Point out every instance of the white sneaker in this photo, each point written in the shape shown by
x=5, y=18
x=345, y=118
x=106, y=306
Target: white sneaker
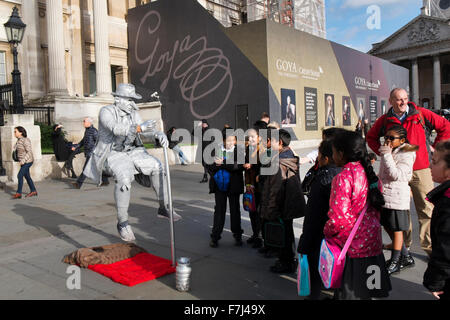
x=126, y=234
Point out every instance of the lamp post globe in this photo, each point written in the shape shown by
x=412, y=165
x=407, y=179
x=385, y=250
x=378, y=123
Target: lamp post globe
x=15, y=30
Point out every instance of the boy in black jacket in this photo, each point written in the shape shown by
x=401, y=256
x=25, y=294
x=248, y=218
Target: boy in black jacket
x=437, y=276
x=282, y=198
x=227, y=161
x=316, y=214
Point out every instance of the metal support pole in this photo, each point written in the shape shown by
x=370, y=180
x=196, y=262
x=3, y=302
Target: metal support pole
x=169, y=194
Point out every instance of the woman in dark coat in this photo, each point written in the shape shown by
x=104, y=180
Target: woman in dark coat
x=62, y=148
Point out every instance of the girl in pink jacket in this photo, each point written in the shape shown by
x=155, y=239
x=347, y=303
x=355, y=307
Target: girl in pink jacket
x=365, y=275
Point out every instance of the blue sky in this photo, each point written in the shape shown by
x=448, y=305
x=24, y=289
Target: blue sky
x=347, y=20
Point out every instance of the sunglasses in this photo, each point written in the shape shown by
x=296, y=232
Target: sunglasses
x=391, y=138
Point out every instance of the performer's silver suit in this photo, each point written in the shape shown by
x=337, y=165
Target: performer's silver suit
x=119, y=152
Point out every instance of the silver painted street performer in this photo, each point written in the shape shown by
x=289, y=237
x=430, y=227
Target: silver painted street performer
x=120, y=153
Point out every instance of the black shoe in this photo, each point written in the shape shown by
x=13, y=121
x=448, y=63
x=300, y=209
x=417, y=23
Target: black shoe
x=393, y=266
x=283, y=267
x=76, y=185
x=205, y=178
x=251, y=240
x=407, y=261
x=104, y=184
x=214, y=244
x=271, y=254
x=257, y=243
x=263, y=250
x=238, y=242
x=74, y=176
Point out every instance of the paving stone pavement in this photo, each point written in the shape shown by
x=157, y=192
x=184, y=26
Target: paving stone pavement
x=36, y=233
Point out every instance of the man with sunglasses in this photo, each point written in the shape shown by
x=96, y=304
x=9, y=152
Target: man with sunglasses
x=416, y=121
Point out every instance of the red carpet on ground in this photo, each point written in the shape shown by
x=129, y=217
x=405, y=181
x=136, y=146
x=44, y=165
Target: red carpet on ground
x=140, y=268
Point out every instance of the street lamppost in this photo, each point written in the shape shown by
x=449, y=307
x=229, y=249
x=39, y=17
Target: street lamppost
x=15, y=29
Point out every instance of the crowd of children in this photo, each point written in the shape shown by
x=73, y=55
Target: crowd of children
x=338, y=186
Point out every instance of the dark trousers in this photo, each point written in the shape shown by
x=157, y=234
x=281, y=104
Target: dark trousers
x=314, y=276
x=69, y=161
x=286, y=254
x=25, y=172
x=82, y=177
x=263, y=223
x=255, y=217
x=220, y=211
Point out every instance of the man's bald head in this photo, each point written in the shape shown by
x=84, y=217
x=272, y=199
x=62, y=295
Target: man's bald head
x=399, y=100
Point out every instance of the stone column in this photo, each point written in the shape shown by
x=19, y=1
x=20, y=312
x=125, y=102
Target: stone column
x=33, y=75
x=56, y=51
x=101, y=38
x=415, y=81
x=437, y=82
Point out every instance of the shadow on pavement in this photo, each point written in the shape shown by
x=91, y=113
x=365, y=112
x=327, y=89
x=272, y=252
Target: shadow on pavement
x=51, y=221
x=408, y=290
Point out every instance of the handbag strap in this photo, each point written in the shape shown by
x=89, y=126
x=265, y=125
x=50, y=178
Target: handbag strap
x=352, y=234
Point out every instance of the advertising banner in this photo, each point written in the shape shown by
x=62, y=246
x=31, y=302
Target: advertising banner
x=311, y=118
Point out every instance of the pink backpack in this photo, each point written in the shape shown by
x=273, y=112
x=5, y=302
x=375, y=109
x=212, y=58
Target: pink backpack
x=332, y=257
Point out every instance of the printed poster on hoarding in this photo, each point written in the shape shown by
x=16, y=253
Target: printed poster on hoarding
x=330, y=120
x=346, y=111
x=288, y=109
x=311, y=121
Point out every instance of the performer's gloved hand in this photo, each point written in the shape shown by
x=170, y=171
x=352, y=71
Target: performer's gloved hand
x=162, y=139
x=148, y=125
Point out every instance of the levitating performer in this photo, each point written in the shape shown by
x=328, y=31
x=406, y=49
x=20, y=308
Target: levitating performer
x=120, y=153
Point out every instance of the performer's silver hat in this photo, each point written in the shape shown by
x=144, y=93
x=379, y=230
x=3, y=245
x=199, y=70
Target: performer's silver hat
x=126, y=90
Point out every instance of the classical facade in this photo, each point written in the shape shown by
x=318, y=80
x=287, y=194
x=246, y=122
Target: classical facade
x=423, y=46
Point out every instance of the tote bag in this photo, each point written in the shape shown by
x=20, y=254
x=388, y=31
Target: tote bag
x=332, y=257
x=248, y=200
x=303, y=279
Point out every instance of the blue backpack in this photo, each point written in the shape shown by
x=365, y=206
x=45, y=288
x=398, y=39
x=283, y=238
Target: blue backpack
x=222, y=179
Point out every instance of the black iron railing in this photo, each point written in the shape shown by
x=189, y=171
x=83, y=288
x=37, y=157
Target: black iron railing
x=6, y=93
x=45, y=114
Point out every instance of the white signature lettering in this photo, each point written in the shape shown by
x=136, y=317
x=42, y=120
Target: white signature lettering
x=200, y=74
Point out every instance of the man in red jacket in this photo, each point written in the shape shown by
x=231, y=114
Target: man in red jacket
x=415, y=120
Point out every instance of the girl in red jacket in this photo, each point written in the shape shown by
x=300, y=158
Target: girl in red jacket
x=365, y=275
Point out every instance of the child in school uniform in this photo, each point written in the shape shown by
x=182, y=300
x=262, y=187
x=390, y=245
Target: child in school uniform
x=316, y=214
x=437, y=276
x=396, y=169
x=252, y=168
x=282, y=197
x=227, y=161
x=356, y=185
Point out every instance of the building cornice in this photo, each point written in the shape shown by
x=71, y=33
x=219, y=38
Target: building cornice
x=378, y=46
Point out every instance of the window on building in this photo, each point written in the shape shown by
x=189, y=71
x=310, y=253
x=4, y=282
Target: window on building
x=3, y=77
x=93, y=80
x=446, y=74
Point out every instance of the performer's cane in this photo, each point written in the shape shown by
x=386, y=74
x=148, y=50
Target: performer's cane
x=169, y=193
